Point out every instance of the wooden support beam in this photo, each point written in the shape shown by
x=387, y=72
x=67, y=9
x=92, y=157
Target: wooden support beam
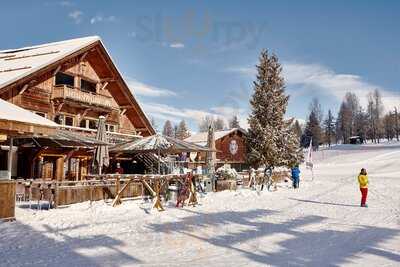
x=112, y=79
x=126, y=107
x=103, y=86
x=57, y=70
x=122, y=112
x=59, y=107
x=83, y=56
x=23, y=89
x=117, y=199
x=82, y=115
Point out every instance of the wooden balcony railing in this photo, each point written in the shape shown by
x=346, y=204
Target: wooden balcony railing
x=74, y=94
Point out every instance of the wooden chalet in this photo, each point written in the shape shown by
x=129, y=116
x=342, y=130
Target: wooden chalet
x=230, y=145
x=72, y=83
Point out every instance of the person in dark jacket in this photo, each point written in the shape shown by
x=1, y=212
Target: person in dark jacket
x=296, y=176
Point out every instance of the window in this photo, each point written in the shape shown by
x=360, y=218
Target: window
x=69, y=121
x=64, y=120
x=64, y=79
x=88, y=86
x=110, y=128
x=59, y=119
x=41, y=114
x=92, y=124
x=82, y=124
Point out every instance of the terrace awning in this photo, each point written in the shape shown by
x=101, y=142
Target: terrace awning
x=158, y=143
x=60, y=138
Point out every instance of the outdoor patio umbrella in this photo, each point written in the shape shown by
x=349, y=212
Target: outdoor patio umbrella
x=158, y=144
x=101, y=156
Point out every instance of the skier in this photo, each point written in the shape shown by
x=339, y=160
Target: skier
x=296, y=176
x=363, y=181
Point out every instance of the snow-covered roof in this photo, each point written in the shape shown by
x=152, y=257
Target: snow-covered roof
x=11, y=112
x=18, y=63
x=201, y=138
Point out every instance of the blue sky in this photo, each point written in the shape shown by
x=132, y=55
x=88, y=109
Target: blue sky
x=187, y=59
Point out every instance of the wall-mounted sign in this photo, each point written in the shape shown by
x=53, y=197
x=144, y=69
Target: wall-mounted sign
x=233, y=147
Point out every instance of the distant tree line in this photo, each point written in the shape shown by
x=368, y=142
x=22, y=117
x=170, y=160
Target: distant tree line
x=352, y=121
x=180, y=130
x=219, y=123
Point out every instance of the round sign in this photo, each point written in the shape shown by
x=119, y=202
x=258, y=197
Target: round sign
x=233, y=147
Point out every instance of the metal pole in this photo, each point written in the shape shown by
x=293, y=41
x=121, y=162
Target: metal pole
x=10, y=158
x=159, y=160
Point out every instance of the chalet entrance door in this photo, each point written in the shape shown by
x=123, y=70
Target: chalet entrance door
x=48, y=168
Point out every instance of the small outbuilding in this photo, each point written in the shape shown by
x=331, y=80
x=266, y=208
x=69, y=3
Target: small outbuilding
x=230, y=145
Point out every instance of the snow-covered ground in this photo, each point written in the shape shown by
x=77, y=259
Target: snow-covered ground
x=320, y=224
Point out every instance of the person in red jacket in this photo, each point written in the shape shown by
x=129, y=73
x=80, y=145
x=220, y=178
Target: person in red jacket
x=119, y=169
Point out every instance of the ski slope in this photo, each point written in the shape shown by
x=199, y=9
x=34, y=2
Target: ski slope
x=320, y=224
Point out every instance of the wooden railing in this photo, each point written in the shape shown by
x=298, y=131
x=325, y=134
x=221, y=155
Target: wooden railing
x=74, y=94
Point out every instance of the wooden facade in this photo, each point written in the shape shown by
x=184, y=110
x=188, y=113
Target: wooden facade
x=73, y=91
x=231, y=148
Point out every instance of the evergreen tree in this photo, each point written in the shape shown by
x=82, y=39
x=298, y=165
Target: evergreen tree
x=270, y=139
x=168, y=129
x=329, y=127
x=344, y=123
x=176, y=131
x=234, y=122
x=312, y=131
x=297, y=129
x=182, y=131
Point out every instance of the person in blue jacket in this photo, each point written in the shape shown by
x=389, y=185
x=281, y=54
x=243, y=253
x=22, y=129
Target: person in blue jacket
x=296, y=176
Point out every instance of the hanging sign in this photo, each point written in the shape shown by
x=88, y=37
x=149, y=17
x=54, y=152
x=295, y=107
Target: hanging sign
x=233, y=147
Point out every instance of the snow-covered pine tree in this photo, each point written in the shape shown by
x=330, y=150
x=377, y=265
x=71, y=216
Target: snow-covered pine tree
x=270, y=140
x=234, y=122
x=182, y=131
x=168, y=129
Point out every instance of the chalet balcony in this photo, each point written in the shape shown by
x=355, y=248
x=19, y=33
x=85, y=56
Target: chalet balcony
x=73, y=94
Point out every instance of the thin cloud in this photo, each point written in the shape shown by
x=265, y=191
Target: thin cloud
x=65, y=3
x=177, y=45
x=76, y=16
x=100, y=18
x=322, y=78
x=142, y=89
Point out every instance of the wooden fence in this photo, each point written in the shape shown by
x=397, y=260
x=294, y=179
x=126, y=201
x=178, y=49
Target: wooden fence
x=98, y=187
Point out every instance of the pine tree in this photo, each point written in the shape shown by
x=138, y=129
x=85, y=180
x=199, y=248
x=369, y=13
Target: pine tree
x=297, y=129
x=329, y=127
x=182, y=131
x=234, y=122
x=168, y=129
x=270, y=139
x=312, y=131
